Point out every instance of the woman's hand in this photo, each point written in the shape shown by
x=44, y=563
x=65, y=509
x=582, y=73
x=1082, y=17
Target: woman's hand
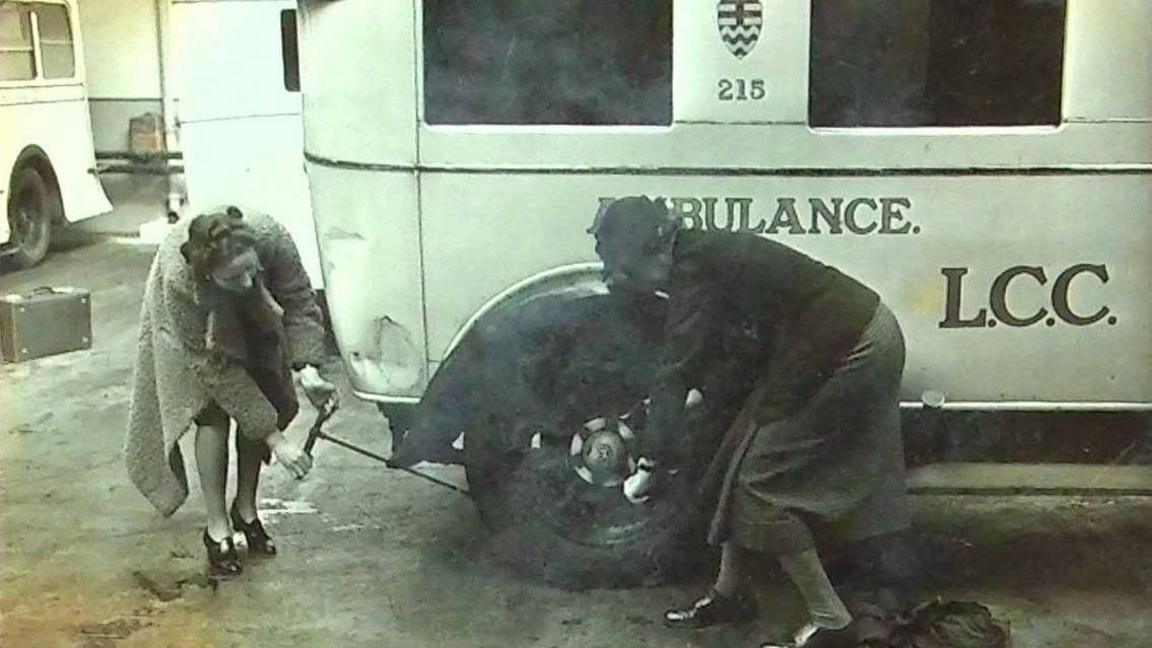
x=290, y=455
x=639, y=486
x=315, y=387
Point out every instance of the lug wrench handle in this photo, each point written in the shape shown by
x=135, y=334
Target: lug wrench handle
x=326, y=411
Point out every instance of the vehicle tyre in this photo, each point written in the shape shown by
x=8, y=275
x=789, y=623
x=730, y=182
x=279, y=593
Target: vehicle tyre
x=545, y=456
x=549, y=523
x=32, y=205
x=399, y=420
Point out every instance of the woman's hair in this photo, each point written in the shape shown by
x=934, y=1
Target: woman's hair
x=215, y=238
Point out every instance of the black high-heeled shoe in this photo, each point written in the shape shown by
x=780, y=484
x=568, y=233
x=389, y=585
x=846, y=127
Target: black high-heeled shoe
x=223, y=561
x=712, y=609
x=258, y=540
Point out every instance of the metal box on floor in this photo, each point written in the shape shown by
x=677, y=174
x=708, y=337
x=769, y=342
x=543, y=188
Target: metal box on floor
x=45, y=322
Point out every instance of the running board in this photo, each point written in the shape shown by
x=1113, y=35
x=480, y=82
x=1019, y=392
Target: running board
x=1098, y=480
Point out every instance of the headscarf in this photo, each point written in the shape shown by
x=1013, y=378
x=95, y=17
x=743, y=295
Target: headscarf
x=635, y=223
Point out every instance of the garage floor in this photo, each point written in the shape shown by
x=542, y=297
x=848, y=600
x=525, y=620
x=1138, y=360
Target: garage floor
x=371, y=557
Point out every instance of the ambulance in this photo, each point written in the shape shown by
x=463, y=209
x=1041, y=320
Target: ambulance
x=985, y=166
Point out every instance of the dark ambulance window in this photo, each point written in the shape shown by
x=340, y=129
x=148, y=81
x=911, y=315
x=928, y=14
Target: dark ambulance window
x=57, y=52
x=935, y=62
x=580, y=62
x=289, y=50
x=17, y=58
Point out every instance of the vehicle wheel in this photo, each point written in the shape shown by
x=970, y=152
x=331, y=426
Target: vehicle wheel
x=399, y=418
x=31, y=206
x=547, y=480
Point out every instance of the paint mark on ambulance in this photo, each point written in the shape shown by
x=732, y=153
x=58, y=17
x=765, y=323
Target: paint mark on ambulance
x=341, y=234
x=387, y=360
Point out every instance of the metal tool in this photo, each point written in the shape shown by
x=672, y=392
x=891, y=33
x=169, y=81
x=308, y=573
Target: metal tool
x=325, y=412
x=316, y=432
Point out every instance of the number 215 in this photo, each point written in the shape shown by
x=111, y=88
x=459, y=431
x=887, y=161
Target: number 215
x=741, y=89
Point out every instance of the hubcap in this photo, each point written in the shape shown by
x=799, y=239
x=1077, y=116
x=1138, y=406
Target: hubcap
x=600, y=453
x=604, y=452
x=25, y=230
x=23, y=223
x=576, y=477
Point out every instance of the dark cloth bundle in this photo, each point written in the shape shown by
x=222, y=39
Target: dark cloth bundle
x=883, y=622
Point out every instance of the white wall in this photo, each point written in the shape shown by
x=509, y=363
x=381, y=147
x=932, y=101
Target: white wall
x=240, y=128
x=121, y=49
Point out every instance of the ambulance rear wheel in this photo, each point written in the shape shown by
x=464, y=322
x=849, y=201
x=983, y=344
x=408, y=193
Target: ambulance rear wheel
x=31, y=206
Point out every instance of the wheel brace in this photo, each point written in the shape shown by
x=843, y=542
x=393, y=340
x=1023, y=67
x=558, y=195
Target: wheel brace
x=317, y=432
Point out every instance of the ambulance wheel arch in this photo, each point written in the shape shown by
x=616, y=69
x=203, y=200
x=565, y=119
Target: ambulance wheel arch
x=543, y=380
x=437, y=412
x=577, y=278
x=34, y=207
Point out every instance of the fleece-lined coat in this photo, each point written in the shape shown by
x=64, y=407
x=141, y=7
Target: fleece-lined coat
x=195, y=349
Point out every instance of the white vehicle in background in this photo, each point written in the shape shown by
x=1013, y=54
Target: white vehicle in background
x=47, y=164
x=986, y=166
x=240, y=112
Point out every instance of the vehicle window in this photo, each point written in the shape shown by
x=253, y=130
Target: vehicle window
x=289, y=50
x=17, y=59
x=935, y=62
x=580, y=62
x=56, y=50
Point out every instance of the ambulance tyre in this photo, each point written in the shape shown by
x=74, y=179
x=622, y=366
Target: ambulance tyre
x=576, y=535
x=554, y=502
x=399, y=419
x=32, y=208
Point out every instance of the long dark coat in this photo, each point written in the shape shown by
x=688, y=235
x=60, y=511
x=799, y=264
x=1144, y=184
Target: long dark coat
x=819, y=408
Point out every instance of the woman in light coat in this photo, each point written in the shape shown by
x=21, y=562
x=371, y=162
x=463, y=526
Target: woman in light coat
x=228, y=316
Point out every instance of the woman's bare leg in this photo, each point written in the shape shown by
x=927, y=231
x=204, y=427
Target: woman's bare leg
x=212, y=464
x=249, y=457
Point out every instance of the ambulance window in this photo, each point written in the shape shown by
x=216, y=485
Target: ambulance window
x=56, y=51
x=578, y=62
x=17, y=59
x=289, y=50
x=935, y=62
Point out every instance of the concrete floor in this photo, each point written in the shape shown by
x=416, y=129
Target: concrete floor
x=371, y=557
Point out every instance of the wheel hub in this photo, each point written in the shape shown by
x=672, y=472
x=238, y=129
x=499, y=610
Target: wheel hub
x=604, y=452
x=24, y=222
x=600, y=452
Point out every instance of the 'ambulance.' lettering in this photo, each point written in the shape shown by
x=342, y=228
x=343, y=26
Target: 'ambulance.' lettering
x=790, y=215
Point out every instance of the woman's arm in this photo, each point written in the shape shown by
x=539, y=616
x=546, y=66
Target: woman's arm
x=691, y=317
x=289, y=284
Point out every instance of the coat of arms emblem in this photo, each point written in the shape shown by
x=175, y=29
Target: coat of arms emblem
x=739, y=22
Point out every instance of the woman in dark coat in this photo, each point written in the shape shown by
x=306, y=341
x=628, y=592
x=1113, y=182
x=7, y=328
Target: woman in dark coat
x=228, y=315
x=815, y=450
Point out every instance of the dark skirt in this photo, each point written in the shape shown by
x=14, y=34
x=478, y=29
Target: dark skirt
x=831, y=466
x=278, y=388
